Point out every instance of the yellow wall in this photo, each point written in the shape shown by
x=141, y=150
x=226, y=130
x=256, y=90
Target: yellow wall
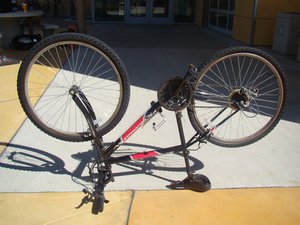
x=242, y=20
x=265, y=20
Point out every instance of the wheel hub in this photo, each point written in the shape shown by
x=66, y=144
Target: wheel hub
x=237, y=98
x=74, y=90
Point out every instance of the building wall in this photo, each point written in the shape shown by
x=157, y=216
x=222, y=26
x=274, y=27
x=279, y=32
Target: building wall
x=199, y=10
x=63, y=8
x=242, y=20
x=266, y=18
x=264, y=26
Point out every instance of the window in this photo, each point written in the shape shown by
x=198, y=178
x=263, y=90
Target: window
x=214, y=4
x=109, y=10
x=160, y=8
x=221, y=13
x=184, y=11
x=138, y=8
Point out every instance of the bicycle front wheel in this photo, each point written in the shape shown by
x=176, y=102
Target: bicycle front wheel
x=64, y=61
x=239, y=96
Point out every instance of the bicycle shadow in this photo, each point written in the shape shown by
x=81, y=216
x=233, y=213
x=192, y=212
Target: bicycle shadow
x=25, y=158
x=21, y=157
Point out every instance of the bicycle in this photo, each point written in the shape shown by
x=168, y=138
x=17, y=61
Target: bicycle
x=75, y=88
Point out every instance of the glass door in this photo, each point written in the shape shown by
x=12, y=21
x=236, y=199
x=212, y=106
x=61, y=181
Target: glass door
x=149, y=11
x=108, y=10
x=137, y=11
x=161, y=11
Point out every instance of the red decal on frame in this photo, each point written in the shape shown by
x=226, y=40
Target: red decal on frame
x=144, y=155
x=133, y=128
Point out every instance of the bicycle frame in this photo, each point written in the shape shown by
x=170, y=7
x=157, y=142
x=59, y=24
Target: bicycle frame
x=196, y=182
x=104, y=175
x=238, y=79
x=105, y=153
x=145, y=118
x=155, y=108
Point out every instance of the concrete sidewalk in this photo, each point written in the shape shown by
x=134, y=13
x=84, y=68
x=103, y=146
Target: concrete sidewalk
x=274, y=206
x=152, y=54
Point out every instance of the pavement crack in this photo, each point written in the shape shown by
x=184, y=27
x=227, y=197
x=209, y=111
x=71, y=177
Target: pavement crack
x=67, y=217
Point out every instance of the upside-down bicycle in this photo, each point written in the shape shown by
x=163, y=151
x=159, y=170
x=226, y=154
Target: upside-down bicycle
x=75, y=88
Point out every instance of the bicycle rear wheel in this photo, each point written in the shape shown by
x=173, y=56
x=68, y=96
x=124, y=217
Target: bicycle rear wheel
x=239, y=96
x=64, y=61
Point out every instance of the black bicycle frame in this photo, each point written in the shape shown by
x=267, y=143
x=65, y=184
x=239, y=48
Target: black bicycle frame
x=104, y=175
x=106, y=152
x=155, y=108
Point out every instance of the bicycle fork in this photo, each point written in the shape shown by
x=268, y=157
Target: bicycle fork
x=103, y=173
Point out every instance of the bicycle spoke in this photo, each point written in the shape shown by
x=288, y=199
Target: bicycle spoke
x=249, y=86
x=71, y=64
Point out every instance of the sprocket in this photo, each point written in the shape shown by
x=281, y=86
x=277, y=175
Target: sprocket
x=175, y=94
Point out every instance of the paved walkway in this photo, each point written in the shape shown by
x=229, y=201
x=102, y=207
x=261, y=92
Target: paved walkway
x=243, y=180
x=274, y=206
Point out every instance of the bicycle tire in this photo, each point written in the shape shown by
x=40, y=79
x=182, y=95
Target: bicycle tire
x=61, y=61
x=222, y=83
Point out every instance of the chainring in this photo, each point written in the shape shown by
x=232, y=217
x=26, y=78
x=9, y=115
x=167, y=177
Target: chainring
x=175, y=94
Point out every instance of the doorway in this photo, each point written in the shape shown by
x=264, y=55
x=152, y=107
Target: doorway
x=144, y=11
x=149, y=11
